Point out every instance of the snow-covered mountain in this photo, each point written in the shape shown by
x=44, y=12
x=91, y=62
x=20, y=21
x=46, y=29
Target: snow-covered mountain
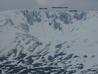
x=48, y=42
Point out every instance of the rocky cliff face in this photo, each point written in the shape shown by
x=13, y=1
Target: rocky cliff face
x=48, y=42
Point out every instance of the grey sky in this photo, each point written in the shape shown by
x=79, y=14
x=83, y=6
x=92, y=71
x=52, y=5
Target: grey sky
x=74, y=4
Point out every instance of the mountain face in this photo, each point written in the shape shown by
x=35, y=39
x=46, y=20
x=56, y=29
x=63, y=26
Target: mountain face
x=48, y=42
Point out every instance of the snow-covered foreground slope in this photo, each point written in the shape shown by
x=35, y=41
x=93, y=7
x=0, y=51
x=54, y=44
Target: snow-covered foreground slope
x=48, y=42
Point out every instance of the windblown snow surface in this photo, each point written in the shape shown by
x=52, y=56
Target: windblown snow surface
x=48, y=42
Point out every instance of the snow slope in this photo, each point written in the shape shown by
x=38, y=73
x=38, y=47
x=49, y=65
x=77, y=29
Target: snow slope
x=48, y=42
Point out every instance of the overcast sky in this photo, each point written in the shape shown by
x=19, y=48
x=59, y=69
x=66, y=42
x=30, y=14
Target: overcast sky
x=74, y=4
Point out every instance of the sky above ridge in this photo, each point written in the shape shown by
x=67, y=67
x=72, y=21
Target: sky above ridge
x=74, y=4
